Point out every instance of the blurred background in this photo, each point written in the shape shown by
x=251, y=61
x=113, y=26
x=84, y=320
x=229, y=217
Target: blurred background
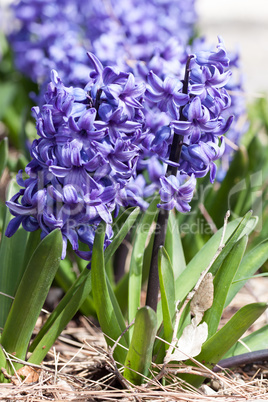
x=243, y=24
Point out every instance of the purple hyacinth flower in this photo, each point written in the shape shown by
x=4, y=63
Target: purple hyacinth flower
x=198, y=159
x=116, y=122
x=166, y=94
x=198, y=121
x=206, y=81
x=175, y=194
x=218, y=58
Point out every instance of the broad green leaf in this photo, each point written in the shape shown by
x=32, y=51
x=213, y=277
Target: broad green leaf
x=75, y=297
x=121, y=293
x=34, y=240
x=173, y=245
x=167, y=289
x=116, y=309
x=88, y=308
x=136, y=263
x=2, y=364
x=107, y=317
x=3, y=155
x=222, y=283
x=250, y=263
x=218, y=345
x=31, y=294
x=60, y=318
x=67, y=303
x=11, y=263
x=188, y=278
x=257, y=340
x=139, y=356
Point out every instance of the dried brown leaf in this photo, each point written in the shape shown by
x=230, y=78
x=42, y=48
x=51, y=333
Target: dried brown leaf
x=203, y=298
x=31, y=374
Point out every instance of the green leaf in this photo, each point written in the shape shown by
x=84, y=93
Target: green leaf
x=188, y=278
x=222, y=283
x=108, y=319
x=116, y=308
x=70, y=302
x=33, y=242
x=31, y=294
x=218, y=345
x=251, y=262
x=68, y=306
x=136, y=263
x=173, y=245
x=167, y=289
x=11, y=263
x=121, y=293
x=2, y=364
x=257, y=340
x=139, y=356
x=60, y=318
x=3, y=155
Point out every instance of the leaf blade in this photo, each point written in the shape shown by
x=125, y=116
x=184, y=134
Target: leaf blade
x=136, y=263
x=218, y=345
x=109, y=323
x=251, y=262
x=222, y=283
x=31, y=294
x=202, y=259
x=139, y=356
x=167, y=289
x=45, y=339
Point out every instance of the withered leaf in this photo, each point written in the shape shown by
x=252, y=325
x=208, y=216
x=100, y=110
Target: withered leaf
x=191, y=341
x=31, y=374
x=203, y=298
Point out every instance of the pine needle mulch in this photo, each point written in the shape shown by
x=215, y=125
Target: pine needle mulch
x=79, y=368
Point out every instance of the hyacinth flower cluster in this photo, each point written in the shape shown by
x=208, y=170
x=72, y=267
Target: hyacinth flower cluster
x=57, y=35
x=94, y=143
x=123, y=33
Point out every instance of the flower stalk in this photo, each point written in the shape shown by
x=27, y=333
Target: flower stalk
x=162, y=220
